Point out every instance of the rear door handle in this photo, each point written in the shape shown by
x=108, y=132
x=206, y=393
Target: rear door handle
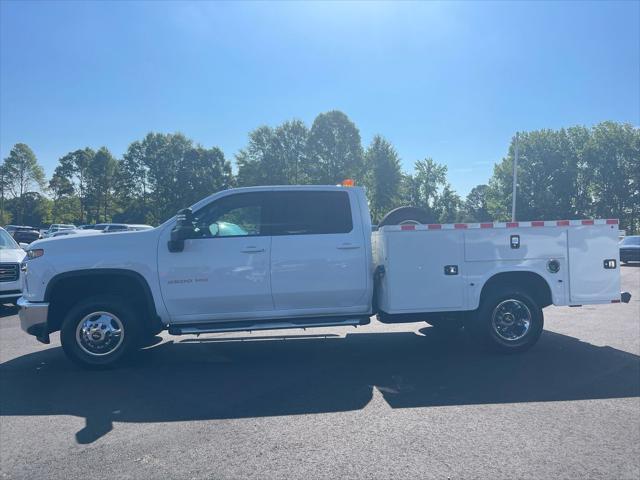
x=347, y=246
x=252, y=250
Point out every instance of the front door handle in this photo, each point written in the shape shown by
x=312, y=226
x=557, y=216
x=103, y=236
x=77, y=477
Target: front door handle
x=347, y=246
x=252, y=250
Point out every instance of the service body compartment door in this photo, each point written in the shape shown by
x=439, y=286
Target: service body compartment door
x=589, y=280
x=424, y=271
x=494, y=244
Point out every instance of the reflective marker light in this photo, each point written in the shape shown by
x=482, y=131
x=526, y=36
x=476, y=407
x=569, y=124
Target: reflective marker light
x=348, y=182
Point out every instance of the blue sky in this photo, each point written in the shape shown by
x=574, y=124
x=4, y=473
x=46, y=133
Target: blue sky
x=453, y=81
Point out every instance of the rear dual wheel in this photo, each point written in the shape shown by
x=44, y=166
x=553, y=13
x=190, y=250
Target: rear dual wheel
x=508, y=321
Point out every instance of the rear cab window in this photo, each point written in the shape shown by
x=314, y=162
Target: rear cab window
x=311, y=213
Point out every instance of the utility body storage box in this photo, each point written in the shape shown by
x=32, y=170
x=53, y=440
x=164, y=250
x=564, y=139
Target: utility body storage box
x=443, y=267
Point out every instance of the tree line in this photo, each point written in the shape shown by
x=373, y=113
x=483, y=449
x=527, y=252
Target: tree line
x=576, y=172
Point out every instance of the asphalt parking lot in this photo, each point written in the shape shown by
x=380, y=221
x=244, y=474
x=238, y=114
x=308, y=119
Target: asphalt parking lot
x=374, y=402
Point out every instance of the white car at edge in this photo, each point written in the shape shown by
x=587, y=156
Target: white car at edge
x=11, y=256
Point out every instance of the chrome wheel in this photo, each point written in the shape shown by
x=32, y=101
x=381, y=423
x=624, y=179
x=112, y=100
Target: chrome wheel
x=511, y=320
x=100, y=333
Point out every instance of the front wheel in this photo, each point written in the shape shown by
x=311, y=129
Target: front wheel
x=508, y=321
x=99, y=332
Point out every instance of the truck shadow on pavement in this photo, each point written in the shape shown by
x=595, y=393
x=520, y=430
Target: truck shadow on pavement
x=189, y=379
x=8, y=310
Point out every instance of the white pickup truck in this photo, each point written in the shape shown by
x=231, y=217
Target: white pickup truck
x=266, y=258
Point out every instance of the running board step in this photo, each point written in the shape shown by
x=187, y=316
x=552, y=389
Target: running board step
x=247, y=326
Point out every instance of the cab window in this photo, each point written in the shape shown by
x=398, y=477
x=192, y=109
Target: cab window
x=311, y=213
x=240, y=215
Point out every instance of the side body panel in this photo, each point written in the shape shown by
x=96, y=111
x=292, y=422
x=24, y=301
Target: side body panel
x=414, y=259
x=488, y=252
x=589, y=281
x=415, y=279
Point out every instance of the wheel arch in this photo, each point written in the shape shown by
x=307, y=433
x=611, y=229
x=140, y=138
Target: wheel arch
x=65, y=289
x=530, y=282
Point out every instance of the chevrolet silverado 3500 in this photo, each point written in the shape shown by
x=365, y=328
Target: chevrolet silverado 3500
x=264, y=258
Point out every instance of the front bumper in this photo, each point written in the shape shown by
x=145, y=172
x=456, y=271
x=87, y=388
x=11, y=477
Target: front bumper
x=33, y=319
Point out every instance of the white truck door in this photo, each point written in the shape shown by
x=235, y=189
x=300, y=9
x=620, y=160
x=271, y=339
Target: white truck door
x=224, y=273
x=318, y=255
x=589, y=280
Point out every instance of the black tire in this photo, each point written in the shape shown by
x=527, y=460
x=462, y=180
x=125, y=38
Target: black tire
x=492, y=324
x=119, y=315
x=401, y=215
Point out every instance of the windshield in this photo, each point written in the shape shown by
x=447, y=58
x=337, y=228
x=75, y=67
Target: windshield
x=7, y=242
x=635, y=240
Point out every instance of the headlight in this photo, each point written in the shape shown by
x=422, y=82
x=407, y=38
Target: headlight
x=35, y=253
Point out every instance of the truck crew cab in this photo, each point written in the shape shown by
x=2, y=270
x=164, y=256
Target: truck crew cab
x=265, y=258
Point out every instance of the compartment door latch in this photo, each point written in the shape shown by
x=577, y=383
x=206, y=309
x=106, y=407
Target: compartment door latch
x=451, y=269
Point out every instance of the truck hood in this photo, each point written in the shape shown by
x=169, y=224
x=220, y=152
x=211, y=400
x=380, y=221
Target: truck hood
x=11, y=255
x=96, y=249
x=94, y=241
x=131, y=251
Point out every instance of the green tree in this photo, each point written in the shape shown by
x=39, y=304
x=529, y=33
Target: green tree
x=613, y=160
x=382, y=177
x=576, y=172
x=202, y=172
x=165, y=172
x=66, y=206
x=290, y=143
x=475, y=208
x=75, y=169
x=334, y=149
x=147, y=178
x=21, y=173
x=547, y=171
x=447, y=205
x=429, y=189
x=100, y=185
x=36, y=207
x=275, y=156
x=5, y=217
x=131, y=186
x=259, y=162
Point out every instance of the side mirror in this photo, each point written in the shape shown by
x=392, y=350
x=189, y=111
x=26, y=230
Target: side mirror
x=182, y=230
